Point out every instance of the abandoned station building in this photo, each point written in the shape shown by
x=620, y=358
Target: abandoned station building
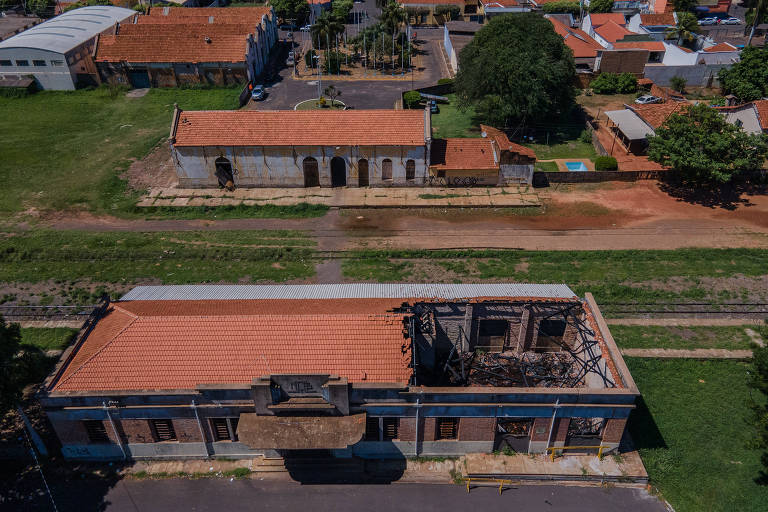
x=369, y=370
x=352, y=148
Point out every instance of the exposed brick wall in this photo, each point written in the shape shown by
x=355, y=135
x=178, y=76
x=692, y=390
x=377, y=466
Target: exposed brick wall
x=407, y=429
x=187, y=430
x=137, y=431
x=428, y=429
x=477, y=429
x=614, y=430
x=560, y=432
x=540, y=429
x=70, y=431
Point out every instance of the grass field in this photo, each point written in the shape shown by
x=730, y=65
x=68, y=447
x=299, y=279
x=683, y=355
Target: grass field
x=452, y=122
x=691, y=432
x=66, y=149
x=693, y=337
x=57, y=338
x=179, y=257
x=547, y=166
x=612, y=276
x=569, y=149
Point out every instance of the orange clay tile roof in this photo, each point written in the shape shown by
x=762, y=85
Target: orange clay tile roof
x=499, y=3
x=504, y=143
x=612, y=32
x=431, y=2
x=657, y=20
x=655, y=114
x=152, y=345
x=652, y=46
x=173, y=45
x=462, y=154
x=721, y=47
x=184, y=12
x=300, y=128
x=580, y=43
x=251, y=22
x=666, y=93
x=599, y=19
x=762, y=112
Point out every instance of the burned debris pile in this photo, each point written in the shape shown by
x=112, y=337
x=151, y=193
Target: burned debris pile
x=551, y=369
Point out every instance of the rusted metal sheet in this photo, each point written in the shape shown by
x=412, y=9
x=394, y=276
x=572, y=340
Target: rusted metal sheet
x=300, y=432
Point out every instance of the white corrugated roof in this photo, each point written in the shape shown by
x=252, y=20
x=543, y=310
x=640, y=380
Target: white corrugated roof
x=630, y=124
x=69, y=29
x=347, y=291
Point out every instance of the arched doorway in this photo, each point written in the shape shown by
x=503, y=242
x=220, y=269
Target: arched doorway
x=224, y=172
x=311, y=174
x=386, y=169
x=362, y=172
x=338, y=172
x=410, y=170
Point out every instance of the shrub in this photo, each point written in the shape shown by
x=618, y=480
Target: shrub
x=411, y=99
x=612, y=83
x=308, y=58
x=445, y=81
x=606, y=163
x=562, y=6
x=678, y=83
x=586, y=137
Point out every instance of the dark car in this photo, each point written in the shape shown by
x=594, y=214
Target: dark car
x=433, y=107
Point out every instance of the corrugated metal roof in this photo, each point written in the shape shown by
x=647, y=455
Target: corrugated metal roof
x=68, y=30
x=348, y=291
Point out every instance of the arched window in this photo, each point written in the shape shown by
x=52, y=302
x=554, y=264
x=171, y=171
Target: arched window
x=311, y=173
x=410, y=170
x=386, y=169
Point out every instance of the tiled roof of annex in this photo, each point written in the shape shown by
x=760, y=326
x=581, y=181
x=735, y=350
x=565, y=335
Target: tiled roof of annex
x=721, y=47
x=762, y=112
x=300, y=128
x=598, y=19
x=652, y=46
x=581, y=44
x=657, y=20
x=462, y=154
x=504, y=143
x=186, y=12
x=612, y=32
x=175, y=43
x=154, y=345
x=654, y=114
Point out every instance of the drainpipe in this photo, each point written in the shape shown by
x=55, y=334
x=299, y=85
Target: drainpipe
x=114, y=429
x=416, y=446
x=200, y=426
x=552, y=425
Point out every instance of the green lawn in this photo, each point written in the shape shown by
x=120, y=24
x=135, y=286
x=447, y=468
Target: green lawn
x=452, y=122
x=569, y=149
x=612, y=276
x=57, y=338
x=691, y=432
x=693, y=337
x=66, y=149
x=547, y=166
x=180, y=257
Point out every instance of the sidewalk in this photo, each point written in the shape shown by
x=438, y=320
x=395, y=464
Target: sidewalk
x=511, y=197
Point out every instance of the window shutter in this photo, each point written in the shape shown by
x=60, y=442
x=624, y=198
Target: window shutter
x=164, y=430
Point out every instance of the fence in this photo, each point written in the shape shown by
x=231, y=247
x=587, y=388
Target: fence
x=542, y=178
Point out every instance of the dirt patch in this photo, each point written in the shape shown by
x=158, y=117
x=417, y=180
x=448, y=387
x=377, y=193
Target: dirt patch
x=61, y=292
x=154, y=170
x=738, y=287
x=522, y=267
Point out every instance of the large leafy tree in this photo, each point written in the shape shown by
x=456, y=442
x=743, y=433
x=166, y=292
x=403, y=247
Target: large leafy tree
x=291, y=9
x=685, y=30
x=748, y=78
x=600, y=5
x=516, y=69
x=685, y=5
x=392, y=16
x=703, y=148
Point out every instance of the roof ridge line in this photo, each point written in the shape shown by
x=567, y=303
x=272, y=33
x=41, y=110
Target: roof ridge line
x=77, y=370
x=117, y=305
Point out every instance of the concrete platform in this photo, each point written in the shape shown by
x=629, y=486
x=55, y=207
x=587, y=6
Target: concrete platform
x=419, y=197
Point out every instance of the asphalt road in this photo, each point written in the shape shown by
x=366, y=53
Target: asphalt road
x=275, y=496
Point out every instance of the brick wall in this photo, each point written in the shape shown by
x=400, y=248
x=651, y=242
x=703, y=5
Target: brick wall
x=477, y=429
x=614, y=430
x=560, y=432
x=137, y=431
x=70, y=432
x=428, y=429
x=540, y=429
x=407, y=429
x=187, y=430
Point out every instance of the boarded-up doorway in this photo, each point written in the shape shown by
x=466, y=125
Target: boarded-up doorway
x=338, y=172
x=362, y=172
x=311, y=173
x=224, y=173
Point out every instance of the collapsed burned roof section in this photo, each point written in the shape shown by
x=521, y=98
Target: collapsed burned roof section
x=508, y=343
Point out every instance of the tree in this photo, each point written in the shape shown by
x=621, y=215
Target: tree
x=332, y=92
x=612, y=83
x=516, y=69
x=759, y=418
x=392, y=16
x=703, y=148
x=325, y=29
x=341, y=9
x=600, y=5
x=685, y=30
x=447, y=12
x=291, y=9
x=10, y=378
x=685, y=5
x=562, y=6
x=412, y=99
x=678, y=83
x=748, y=78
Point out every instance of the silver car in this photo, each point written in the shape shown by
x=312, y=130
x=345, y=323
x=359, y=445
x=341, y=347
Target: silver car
x=647, y=98
x=730, y=21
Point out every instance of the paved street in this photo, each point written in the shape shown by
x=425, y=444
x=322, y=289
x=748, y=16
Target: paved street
x=217, y=495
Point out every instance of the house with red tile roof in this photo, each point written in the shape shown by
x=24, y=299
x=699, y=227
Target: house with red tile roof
x=654, y=25
x=594, y=20
x=174, y=46
x=367, y=370
x=586, y=50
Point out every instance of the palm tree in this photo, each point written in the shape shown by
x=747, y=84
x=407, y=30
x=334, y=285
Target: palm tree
x=325, y=29
x=686, y=29
x=392, y=16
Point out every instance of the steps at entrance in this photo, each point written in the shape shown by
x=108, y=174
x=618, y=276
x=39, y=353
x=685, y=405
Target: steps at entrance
x=271, y=465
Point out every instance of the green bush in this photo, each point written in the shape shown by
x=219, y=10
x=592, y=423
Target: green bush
x=612, y=83
x=445, y=81
x=562, y=6
x=606, y=163
x=585, y=136
x=411, y=99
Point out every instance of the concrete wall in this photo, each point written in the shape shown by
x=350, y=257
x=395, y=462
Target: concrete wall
x=55, y=75
x=696, y=75
x=283, y=166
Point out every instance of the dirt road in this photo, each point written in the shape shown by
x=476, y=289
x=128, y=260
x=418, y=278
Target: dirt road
x=608, y=216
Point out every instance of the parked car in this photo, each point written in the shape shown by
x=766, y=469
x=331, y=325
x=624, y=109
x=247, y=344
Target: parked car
x=730, y=21
x=647, y=98
x=708, y=21
x=257, y=94
x=306, y=28
x=433, y=107
x=287, y=26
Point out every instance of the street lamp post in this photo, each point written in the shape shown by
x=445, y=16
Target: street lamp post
x=319, y=76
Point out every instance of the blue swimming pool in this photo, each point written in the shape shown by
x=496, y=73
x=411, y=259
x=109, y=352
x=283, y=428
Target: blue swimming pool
x=576, y=166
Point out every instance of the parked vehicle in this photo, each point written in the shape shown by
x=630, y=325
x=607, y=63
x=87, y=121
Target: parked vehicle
x=257, y=94
x=647, y=98
x=306, y=28
x=433, y=107
x=287, y=26
x=730, y=21
x=708, y=21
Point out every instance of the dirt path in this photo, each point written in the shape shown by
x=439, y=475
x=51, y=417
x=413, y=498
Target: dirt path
x=588, y=217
